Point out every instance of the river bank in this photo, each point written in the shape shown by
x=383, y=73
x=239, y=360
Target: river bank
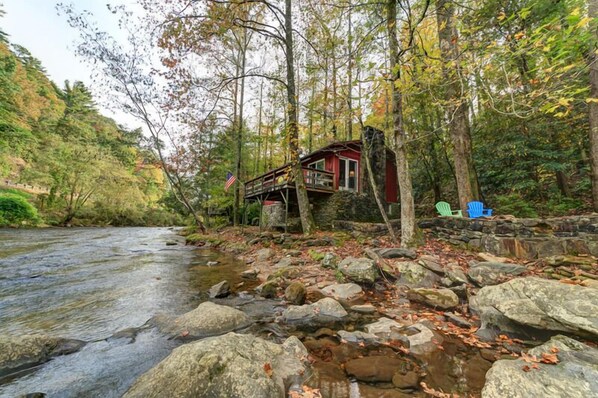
x=432, y=321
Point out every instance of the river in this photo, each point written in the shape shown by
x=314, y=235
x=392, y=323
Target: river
x=87, y=284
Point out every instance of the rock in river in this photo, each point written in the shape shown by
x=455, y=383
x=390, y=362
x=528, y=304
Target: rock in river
x=20, y=352
x=233, y=365
x=441, y=298
x=539, y=303
x=574, y=376
x=221, y=289
x=360, y=270
x=208, y=319
x=326, y=309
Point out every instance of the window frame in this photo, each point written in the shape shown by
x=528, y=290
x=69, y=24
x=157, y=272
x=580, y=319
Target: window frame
x=347, y=169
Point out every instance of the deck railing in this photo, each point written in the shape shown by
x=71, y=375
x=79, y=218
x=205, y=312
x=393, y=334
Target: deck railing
x=282, y=178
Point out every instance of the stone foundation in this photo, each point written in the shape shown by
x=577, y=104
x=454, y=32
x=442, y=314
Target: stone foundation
x=524, y=238
x=345, y=205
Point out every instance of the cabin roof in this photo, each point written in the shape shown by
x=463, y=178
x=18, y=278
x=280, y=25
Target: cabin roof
x=353, y=145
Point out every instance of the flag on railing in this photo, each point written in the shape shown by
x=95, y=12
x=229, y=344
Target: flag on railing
x=230, y=180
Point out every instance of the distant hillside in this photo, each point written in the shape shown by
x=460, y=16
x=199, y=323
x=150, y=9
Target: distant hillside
x=97, y=172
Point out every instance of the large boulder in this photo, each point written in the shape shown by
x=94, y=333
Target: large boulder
x=323, y=311
x=233, y=365
x=360, y=270
x=412, y=274
x=441, y=298
x=343, y=291
x=538, y=303
x=20, y=352
x=492, y=273
x=208, y=319
x=574, y=376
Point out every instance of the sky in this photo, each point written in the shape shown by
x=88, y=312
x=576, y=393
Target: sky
x=36, y=25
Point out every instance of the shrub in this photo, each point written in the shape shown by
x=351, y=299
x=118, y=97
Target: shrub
x=515, y=205
x=559, y=205
x=14, y=209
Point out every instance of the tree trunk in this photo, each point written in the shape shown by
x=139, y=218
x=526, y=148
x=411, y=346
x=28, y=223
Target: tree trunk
x=239, y=140
x=307, y=220
x=379, y=201
x=349, y=127
x=593, y=105
x=259, y=130
x=457, y=105
x=408, y=224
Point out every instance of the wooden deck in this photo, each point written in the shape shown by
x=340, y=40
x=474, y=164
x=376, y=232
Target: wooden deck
x=281, y=179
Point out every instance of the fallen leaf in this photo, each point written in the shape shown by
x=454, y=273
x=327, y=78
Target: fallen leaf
x=268, y=369
x=549, y=358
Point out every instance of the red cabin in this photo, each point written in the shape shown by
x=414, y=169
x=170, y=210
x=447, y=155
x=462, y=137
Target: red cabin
x=337, y=167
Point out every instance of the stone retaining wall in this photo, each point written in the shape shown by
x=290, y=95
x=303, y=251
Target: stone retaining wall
x=524, y=237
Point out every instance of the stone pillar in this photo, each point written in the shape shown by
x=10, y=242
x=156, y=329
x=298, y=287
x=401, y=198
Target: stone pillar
x=374, y=139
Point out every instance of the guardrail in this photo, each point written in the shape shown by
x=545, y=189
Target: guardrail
x=36, y=189
x=282, y=178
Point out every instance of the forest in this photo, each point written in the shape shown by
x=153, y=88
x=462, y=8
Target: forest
x=95, y=171
x=493, y=100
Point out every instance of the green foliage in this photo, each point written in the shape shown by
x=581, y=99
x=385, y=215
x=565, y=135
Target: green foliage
x=558, y=205
x=16, y=210
x=515, y=205
x=316, y=256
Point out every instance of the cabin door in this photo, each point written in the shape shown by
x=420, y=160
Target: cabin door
x=347, y=174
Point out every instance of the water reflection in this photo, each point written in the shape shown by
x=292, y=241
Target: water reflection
x=88, y=283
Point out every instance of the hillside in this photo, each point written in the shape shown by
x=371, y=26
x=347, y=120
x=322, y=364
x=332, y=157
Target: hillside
x=95, y=171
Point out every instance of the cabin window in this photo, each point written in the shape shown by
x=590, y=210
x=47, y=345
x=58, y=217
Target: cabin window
x=347, y=176
x=319, y=165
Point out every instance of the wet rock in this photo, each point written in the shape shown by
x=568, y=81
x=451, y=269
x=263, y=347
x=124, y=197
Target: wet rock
x=343, y=291
x=374, y=368
x=441, y=298
x=538, y=303
x=250, y=274
x=171, y=243
x=21, y=352
x=432, y=263
x=396, y=252
x=270, y=288
x=457, y=320
x=221, y=289
x=208, y=319
x=360, y=270
x=414, y=275
x=422, y=339
x=357, y=337
x=232, y=365
x=490, y=273
x=408, y=380
x=324, y=310
x=364, y=309
x=324, y=332
x=488, y=355
x=386, y=329
x=129, y=334
x=575, y=376
x=330, y=261
x=295, y=293
x=212, y=263
x=264, y=255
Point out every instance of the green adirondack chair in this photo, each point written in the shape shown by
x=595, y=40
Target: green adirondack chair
x=445, y=210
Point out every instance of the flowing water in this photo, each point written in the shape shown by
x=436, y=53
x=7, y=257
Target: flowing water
x=87, y=284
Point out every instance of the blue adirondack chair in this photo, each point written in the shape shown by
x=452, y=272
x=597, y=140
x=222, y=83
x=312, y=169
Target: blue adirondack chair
x=476, y=209
x=444, y=209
